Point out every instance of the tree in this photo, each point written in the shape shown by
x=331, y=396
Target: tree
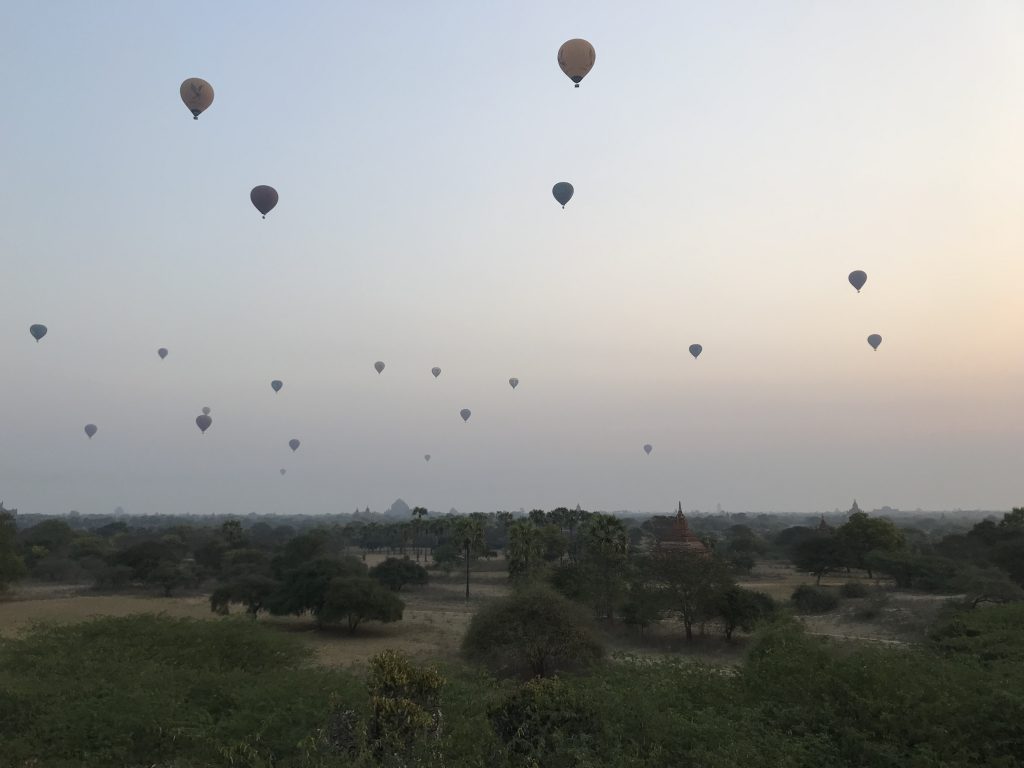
x=394, y=573
x=359, y=598
x=862, y=534
x=418, y=513
x=603, y=561
x=742, y=609
x=469, y=532
x=12, y=567
x=251, y=590
x=534, y=630
x=405, y=711
x=690, y=584
x=525, y=550
x=304, y=588
x=819, y=555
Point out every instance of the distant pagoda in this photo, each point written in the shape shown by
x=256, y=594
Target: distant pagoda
x=680, y=538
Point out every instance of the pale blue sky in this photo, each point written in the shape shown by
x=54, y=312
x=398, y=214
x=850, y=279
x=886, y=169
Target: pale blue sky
x=732, y=163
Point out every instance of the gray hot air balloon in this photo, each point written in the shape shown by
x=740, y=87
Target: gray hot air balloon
x=436, y=371
x=162, y=352
x=293, y=444
x=90, y=430
x=276, y=385
x=197, y=95
x=465, y=413
x=203, y=421
x=378, y=366
x=206, y=410
x=874, y=340
x=857, y=279
x=648, y=448
x=695, y=350
x=37, y=331
x=426, y=457
x=283, y=471
x=513, y=382
x=264, y=198
x=576, y=57
x=563, y=192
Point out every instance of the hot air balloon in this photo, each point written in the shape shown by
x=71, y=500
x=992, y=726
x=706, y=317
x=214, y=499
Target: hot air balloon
x=203, y=421
x=294, y=445
x=426, y=457
x=563, y=192
x=857, y=279
x=90, y=430
x=513, y=382
x=465, y=413
x=648, y=448
x=695, y=350
x=283, y=471
x=162, y=352
x=37, y=331
x=264, y=198
x=206, y=410
x=576, y=58
x=874, y=340
x=276, y=385
x=436, y=371
x=379, y=366
x=197, y=95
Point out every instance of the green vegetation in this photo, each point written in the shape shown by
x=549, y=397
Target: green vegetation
x=808, y=599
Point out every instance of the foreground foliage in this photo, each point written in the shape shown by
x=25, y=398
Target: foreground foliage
x=151, y=691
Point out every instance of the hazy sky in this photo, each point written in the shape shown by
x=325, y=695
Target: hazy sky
x=732, y=163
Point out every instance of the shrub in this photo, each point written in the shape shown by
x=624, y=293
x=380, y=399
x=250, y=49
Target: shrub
x=808, y=599
x=854, y=589
x=534, y=630
x=358, y=598
x=394, y=573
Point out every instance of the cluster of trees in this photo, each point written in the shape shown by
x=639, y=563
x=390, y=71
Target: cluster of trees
x=986, y=563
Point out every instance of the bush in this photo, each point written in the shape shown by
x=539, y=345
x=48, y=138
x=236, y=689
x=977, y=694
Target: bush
x=854, y=589
x=808, y=599
x=534, y=630
x=359, y=598
x=394, y=573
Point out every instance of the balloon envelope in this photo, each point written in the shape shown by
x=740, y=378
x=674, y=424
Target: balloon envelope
x=436, y=371
x=695, y=350
x=162, y=352
x=648, y=448
x=37, y=331
x=465, y=413
x=197, y=95
x=283, y=471
x=203, y=422
x=276, y=385
x=576, y=57
x=294, y=445
x=563, y=192
x=206, y=410
x=378, y=366
x=513, y=382
x=264, y=198
x=858, y=278
x=90, y=430
x=874, y=340
x=426, y=457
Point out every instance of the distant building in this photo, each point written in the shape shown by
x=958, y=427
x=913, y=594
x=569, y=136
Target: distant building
x=680, y=538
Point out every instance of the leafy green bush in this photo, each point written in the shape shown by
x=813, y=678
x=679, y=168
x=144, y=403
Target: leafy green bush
x=808, y=599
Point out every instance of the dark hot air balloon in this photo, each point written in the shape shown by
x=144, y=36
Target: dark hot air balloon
x=37, y=331
x=283, y=471
x=276, y=385
x=874, y=340
x=162, y=352
x=465, y=413
x=197, y=95
x=378, y=366
x=576, y=57
x=203, y=421
x=294, y=445
x=90, y=430
x=857, y=279
x=264, y=198
x=426, y=457
x=513, y=382
x=648, y=448
x=563, y=192
x=206, y=410
x=695, y=350
x=436, y=371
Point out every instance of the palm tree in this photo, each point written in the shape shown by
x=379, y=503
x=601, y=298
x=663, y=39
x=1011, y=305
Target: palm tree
x=418, y=513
